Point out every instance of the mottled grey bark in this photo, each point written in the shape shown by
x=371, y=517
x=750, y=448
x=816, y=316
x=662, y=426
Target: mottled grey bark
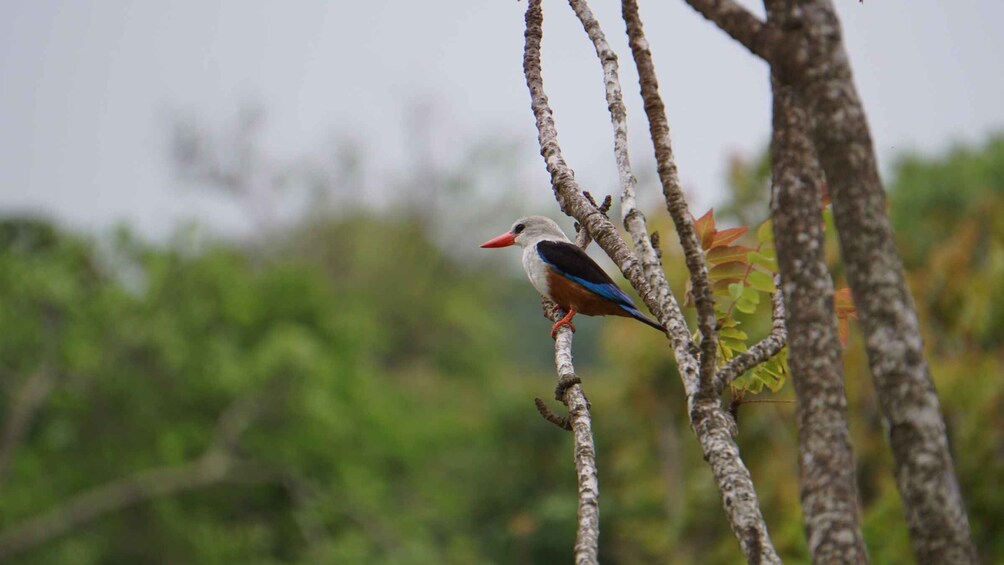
x=808, y=55
x=925, y=475
x=672, y=192
x=826, y=461
x=587, y=536
x=713, y=427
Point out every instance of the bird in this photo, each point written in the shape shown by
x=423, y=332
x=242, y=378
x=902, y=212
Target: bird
x=564, y=273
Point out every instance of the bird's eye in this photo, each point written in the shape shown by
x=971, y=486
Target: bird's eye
x=518, y=228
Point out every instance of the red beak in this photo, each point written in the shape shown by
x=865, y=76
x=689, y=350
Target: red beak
x=504, y=240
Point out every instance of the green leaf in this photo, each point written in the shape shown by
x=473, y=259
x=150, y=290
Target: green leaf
x=762, y=281
x=736, y=290
x=745, y=306
x=730, y=270
x=759, y=259
x=732, y=333
x=734, y=345
x=751, y=295
x=765, y=232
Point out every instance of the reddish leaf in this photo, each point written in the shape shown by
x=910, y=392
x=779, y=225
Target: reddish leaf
x=732, y=269
x=843, y=303
x=725, y=237
x=843, y=329
x=724, y=254
x=705, y=228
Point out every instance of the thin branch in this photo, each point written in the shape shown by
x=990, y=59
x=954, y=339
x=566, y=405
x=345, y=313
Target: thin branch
x=676, y=204
x=587, y=536
x=217, y=464
x=579, y=422
x=22, y=410
x=751, y=32
x=550, y=416
x=632, y=218
x=762, y=350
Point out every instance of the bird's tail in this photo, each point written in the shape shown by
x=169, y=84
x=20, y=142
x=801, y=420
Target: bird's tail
x=637, y=315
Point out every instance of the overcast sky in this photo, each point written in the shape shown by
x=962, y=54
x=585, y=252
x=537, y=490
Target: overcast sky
x=87, y=89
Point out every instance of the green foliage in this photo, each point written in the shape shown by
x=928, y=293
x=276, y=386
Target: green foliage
x=931, y=198
x=739, y=276
x=385, y=394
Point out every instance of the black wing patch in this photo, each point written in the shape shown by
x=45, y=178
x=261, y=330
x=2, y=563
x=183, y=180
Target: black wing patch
x=572, y=262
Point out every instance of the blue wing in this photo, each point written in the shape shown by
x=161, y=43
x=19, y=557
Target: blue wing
x=572, y=263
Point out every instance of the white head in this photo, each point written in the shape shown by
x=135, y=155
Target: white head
x=528, y=231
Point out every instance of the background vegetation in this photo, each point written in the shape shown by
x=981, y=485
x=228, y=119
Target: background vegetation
x=392, y=378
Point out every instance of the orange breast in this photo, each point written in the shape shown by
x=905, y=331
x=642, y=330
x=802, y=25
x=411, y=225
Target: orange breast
x=572, y=295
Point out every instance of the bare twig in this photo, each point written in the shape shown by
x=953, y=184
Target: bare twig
x=676, y=204
x=23, y=407
x=219, y=463
x=751, y=32
x=550, y=416
x=762, y=350
x=587, y=536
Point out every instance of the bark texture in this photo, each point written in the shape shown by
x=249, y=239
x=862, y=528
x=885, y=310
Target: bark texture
x=808, y=55
x=925, y=474
x=669, y=177
x=579, y=422
x=588, y=532
x=826, y=461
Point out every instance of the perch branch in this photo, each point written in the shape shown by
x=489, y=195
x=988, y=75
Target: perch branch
x=579, y=422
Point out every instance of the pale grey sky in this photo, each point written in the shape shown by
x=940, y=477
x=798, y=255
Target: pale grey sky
x=87, y=88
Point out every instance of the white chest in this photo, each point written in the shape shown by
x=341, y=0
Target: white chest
x=536, y=270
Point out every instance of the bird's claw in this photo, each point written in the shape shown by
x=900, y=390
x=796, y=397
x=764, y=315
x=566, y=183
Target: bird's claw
x=566, y=321
x=557, y=326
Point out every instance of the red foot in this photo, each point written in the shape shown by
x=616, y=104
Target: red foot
x=566, y=321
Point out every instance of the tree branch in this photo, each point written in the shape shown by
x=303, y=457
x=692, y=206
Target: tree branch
x=216, y=465
x=810, y=57
x=579, y=422
x=826, y=459
x=676, y=204
x=23, y=408
x=925, y=475
x=713, y=427
x=759, y=37
x=762, y=350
